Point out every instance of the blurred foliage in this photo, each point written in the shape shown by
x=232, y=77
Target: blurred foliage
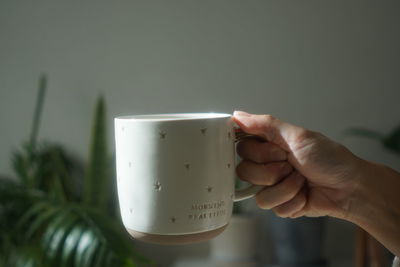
x=390, y=141
x=55, y=212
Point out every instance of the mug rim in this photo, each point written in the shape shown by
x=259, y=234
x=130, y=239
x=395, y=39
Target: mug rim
x=174, y=116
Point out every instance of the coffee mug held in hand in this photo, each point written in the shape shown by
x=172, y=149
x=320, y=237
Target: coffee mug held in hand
x=176, y=175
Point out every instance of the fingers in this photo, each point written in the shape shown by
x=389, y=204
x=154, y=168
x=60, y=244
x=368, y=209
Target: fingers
x=268, y=127
x=260, y=152
x=276, y=195
x=263, y=174
x=285, y=194
x=293, y=207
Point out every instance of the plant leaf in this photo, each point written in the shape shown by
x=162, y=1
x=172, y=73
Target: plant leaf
x=84, y=243
x=70, y=244
x=88, y=255
x=363, y=132
x=101, y=255
x=59, y=231
x=97, y=176
x=392, y=141
x=34, y=210
x=53, y=225
x=11, y=192
x=27, y=255
x=37, y=113
x=57, y=242
x=88, y=251
x=109, y=260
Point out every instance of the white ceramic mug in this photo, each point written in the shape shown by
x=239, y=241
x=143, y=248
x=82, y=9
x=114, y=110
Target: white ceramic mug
x=176, y=175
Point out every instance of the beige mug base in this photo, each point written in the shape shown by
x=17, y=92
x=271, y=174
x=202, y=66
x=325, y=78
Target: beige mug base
x=175, y=239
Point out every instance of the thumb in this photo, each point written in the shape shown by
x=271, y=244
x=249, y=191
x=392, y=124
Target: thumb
x=271, y=129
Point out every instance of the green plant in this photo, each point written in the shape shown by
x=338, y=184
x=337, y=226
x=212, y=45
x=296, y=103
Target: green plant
x=47, y=219
x=390, y=141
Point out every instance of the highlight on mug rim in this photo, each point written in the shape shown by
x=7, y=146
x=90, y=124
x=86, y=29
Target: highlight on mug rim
x=174, y=116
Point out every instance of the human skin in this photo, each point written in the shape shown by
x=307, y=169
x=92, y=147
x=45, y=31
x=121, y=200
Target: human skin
x=307, y=174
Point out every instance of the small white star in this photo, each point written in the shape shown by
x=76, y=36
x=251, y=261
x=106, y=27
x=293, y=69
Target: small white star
x=162, y=134
x=157, y=186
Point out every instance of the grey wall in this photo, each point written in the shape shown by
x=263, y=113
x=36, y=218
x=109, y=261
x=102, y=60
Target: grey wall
x=326, y=65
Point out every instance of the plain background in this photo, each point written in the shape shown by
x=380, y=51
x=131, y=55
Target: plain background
x=325, y=65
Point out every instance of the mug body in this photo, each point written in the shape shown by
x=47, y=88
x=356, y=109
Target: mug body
x=175, y=175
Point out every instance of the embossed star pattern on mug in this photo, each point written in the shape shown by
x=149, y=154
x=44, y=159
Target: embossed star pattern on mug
x=184, y=151
x=162, y=134
x=157, y=186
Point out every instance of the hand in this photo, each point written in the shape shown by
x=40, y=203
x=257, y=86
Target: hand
x=307, y=174
x=304, y=172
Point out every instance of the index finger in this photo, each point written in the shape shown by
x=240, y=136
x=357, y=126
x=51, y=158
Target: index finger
x=260, y=152
x=269, y=128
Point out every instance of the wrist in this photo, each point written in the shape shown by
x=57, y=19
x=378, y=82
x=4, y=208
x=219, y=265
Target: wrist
x=355, y=206
x=374, y=203
x=349, y=193
x=370, y=194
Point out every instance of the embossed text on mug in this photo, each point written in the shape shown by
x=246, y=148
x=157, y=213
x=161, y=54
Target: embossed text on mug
x=207, y=210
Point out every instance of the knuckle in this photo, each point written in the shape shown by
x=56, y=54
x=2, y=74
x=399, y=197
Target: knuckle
x=267, y=119
x=304, y=138
x=305, y=134
x=267, y=122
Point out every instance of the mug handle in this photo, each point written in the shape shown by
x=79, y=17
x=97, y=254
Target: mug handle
x=251, y=190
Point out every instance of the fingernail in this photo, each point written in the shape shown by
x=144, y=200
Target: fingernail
x=238, y=113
